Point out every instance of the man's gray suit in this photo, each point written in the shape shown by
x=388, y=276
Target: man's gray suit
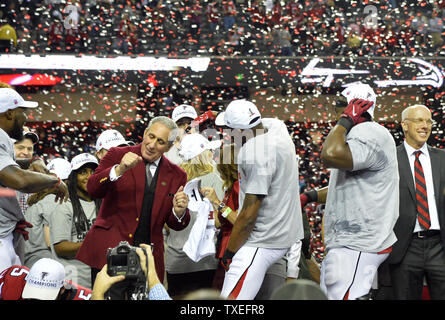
x=413, y=258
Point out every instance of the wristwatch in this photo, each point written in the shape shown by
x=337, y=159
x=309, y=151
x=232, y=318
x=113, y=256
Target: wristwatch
x=221, y=206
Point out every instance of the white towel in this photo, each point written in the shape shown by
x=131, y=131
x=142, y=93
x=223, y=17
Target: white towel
x=201, y=241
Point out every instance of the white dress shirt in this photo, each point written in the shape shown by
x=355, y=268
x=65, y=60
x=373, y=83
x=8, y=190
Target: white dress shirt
x=425, y=161
x=153, y=167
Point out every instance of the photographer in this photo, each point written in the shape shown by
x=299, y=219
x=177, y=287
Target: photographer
x=156, y=289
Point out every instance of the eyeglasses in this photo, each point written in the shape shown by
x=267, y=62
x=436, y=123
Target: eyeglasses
x=419, y=121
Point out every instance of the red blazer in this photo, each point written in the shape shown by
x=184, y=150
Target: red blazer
x=121, y=207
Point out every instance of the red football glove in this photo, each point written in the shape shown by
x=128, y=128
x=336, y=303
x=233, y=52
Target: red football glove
x=203, y=119
x=308, y=197
x=353, y=113
x=21, y=226
x=226, y=260
x=304, y=199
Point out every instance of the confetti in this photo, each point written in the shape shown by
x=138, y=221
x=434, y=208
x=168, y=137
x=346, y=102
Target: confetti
x=290, y=57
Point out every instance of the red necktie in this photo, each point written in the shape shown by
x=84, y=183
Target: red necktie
x=423, y=214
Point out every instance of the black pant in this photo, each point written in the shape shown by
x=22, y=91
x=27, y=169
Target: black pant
x=182, y=283
x=424, y=258
x=384, y=290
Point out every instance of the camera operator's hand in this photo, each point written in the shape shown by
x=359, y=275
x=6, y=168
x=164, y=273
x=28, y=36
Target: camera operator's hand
x=152, y=276
x=102, y=283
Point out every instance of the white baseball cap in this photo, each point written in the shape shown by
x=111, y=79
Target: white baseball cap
x=32, y=136
x=360, y=90
x=61, y=167
x=239, y=114
x=82, y=159
x=28, y=135
x=10, y=99
x=44, y=280
x=183, y=111
x=110, y=138
x=194, y=144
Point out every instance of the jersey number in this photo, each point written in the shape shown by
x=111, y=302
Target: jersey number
x=17, y=272
x=83, y=296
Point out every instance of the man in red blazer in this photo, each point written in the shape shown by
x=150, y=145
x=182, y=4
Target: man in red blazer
x=139, y=188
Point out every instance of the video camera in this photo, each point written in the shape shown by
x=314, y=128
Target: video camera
x=124, y=260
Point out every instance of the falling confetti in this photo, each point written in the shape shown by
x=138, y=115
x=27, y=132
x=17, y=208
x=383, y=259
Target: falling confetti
x=292, y=58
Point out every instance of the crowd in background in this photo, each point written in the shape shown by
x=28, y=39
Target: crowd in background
x=220, y=27
x=246, y=28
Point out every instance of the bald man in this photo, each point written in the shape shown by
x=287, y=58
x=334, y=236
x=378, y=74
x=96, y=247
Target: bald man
x=419, y=250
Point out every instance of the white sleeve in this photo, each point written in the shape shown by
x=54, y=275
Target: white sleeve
x=258, y=167
x=113, y=176
x=366, y=153
x=5, y=157
x=177, y=218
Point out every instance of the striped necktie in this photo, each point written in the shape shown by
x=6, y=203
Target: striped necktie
x=148, y=172
x=423, y=214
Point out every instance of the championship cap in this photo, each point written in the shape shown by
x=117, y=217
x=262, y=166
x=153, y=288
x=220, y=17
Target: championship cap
x=239, y=114
x=59, y=166
x=28, y=135
x=194, y=144
x=10, y=99
x=184, y=111
x=110, y=138
x=82, y=159
x=32, y=136
x=360, y=91
x=44, y=280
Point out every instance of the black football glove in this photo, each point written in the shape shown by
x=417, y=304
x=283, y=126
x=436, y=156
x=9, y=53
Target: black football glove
x=226, y=260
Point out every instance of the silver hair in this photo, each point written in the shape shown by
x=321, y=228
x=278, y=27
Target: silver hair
x=169, y=123
x=407, y=109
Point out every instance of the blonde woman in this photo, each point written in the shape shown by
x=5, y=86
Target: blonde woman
x=183, y=274
x=225, y=216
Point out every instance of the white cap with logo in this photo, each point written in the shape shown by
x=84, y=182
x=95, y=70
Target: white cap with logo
x=360, y=90
x=82, y=159
x=32, y=136
x=110, y=138
x=61, y=167
x=28, y=135
x=10, y=99
x=184, y=111
x=194, y=144
x=44, y=280
x=239, y=114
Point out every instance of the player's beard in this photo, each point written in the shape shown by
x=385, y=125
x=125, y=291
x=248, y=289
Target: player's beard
x=16, y=131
